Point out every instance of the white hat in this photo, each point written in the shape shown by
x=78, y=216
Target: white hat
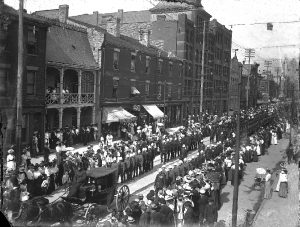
x=202, y=191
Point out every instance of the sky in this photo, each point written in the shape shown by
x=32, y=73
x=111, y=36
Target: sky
x=267, y=44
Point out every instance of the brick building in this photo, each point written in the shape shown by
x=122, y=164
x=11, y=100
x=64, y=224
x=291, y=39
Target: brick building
x=235, y=74
x=33, y=111
x=137, y=78
x=72, y=74
x=250, y=72
x=177, y=28
x=220, y=55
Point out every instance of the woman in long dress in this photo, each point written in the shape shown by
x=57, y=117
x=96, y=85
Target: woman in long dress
x=283, y=187
x=267, y=194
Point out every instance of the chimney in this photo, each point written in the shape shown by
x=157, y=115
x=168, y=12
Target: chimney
x=113, y=27
x=96, y=16
x=120, y=15
x=63, y=13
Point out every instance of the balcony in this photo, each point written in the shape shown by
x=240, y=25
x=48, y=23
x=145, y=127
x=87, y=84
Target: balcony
x=71, y=99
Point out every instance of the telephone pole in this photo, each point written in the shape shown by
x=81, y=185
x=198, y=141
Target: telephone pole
x=249, y=53
x=19, y=85
x=202, y=73
x=236, y=158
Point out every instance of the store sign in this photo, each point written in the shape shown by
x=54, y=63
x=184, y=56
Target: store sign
x=136, y=107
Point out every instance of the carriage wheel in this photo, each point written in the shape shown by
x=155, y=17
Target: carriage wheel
x=122, y=197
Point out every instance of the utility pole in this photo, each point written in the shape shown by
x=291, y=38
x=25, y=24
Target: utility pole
x=165, y=103
x=202, y=72
x=19, y=85
x=236, y=159
x=249, y=53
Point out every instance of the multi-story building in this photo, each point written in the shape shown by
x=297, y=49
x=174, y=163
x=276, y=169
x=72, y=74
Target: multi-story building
x=34, y=58
x=221, y=51
x=235, y=74
x=71, y=78
x=138, y=80
x=249, y=90
x=177, y=28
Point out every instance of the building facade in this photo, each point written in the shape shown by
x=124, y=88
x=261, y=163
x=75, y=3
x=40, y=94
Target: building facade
x=33, y=111
x=220, y=54
x=135, y=75
x=235, y=74
x=71, y=78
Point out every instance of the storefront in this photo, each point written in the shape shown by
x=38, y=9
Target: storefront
x=112, y=120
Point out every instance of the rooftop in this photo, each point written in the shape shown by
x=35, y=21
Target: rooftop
x=7, y=10
x=70, y=47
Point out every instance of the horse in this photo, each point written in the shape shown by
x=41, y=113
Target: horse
x=139, y=164
x=34, y=213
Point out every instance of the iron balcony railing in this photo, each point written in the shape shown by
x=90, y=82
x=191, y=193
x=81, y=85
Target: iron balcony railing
x=70, y=98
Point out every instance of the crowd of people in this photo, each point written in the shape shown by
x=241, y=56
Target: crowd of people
x=135, y=157
x=188, y=192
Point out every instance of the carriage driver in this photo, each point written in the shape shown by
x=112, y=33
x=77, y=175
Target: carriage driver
x=78, y=180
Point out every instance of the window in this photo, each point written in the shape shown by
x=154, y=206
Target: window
x=186, y=52
x=115, y=87
x=147, y=87
x=24, y=127
x=169, y=92
x=116, y=59
x=32, y=47
x=170, y=68
x=160, y=64
x=190, y=70
x=159, y=90
x=132, y=62
x=3, y=82
x=180, y=70
x=30, y=82
x=179, y=91
x=147, y=67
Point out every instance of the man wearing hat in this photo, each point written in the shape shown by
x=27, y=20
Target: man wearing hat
x=160, y=180
x=166, y=212
x=210, y=213
x=203, y=201
x=12, y=197
x=156, y=218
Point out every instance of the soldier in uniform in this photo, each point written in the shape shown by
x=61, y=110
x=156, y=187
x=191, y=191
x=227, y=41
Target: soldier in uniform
x=160, y=181
x=163, y=152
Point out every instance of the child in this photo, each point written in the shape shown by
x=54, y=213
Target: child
x=45, y=184
x=11, y=160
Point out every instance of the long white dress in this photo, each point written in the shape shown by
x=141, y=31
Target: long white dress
x=282, y=178
x=258, y=150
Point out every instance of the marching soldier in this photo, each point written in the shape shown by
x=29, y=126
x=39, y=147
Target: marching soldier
x=160, y=181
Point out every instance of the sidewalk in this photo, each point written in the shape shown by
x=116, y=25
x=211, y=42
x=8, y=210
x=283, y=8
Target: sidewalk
x=249, y=196
x=278, y=211
x=282, y=211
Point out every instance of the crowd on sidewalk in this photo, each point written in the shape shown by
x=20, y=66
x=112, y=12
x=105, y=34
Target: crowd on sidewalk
x=133, y=158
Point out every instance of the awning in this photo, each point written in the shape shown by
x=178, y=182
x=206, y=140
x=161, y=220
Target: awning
x=154, y=111
x=134, y=91
x=116, y=114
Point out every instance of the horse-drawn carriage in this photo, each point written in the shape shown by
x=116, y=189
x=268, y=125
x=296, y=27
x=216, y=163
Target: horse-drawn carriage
x=94, y=202
x=98, y=194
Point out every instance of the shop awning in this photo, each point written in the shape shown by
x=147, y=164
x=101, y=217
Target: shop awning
x=154, y=111
x=134, y=91
x=116, y=114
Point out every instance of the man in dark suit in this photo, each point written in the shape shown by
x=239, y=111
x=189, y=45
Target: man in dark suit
x=166, y=212
x=78, y=180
